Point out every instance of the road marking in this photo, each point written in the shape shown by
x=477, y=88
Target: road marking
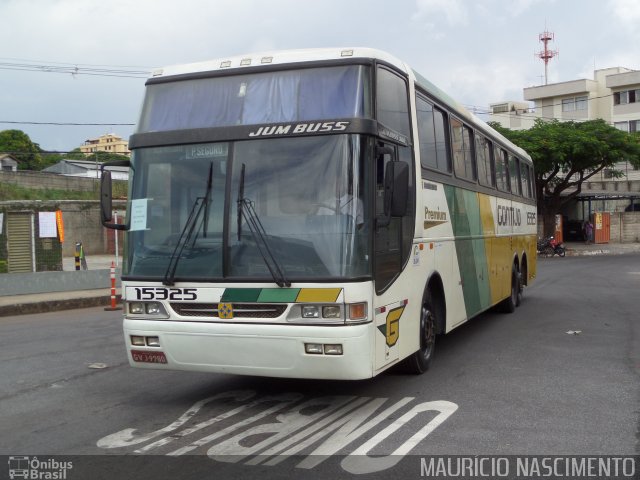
x=287, y=425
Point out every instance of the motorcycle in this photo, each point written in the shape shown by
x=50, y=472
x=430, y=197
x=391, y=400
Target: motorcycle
x=550, y=247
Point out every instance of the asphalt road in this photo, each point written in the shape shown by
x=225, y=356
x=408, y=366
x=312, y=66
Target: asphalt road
x=500, y=385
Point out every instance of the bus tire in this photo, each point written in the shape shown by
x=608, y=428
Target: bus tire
x=420, y=361
x=509, y=304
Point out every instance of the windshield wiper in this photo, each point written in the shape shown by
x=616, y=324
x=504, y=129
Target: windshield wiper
x=199, y=205
x=247, y=211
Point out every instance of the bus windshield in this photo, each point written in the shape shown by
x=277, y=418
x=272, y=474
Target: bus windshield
x=307, y=194
x=257, y=98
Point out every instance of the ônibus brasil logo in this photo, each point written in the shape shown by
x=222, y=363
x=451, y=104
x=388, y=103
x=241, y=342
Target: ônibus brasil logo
x=35, y=469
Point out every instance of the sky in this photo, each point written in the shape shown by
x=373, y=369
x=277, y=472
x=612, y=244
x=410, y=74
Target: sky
x=478, y=51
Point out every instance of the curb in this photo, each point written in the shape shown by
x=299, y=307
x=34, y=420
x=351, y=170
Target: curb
x=56, y=305
x=590, y=253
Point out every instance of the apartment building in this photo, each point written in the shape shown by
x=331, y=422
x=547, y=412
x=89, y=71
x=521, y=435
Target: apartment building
x=612, y=95
x=110, y=143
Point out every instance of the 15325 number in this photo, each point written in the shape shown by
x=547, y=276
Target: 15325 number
x=161, y=293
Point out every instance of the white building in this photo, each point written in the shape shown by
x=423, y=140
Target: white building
x=613, y=95
x=8, y=163
x=110, y=143
x=83, y=168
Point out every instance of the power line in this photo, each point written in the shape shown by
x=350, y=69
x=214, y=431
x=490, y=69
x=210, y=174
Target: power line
x=76, y=69
x=74, y=63
x=74, y=124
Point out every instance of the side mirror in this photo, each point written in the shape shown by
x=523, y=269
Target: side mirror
x=106, y=196
x=106, y=202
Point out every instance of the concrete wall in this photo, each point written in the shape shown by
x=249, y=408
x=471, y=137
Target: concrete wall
x=53, y=181
x=45, y=282
x=81, y=223
x=625, y=227
x=43, y=180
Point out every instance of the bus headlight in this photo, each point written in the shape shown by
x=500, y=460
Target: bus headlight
x=331, y=311
x=153, y=308
x=146, y=309
x=136, y=308
x=310, y=311
x=334, y=314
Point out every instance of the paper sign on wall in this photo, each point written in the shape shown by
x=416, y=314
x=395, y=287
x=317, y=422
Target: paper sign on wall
x=47, y=224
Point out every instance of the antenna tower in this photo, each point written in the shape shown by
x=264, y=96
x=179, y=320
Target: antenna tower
x=546, y=54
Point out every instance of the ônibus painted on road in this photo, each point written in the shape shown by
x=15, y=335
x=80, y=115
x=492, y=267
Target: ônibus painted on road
x=314, y=214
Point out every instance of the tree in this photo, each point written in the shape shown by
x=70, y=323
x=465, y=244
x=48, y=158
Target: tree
x=20, y=146
x=567, y=154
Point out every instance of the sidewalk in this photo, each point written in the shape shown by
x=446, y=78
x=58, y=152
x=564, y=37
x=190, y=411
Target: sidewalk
x=94, y=262
x=63, y=300
x=45, y=302
x=580, y=248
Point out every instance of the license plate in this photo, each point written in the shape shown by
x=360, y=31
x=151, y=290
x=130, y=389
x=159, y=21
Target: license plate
x=148, y=357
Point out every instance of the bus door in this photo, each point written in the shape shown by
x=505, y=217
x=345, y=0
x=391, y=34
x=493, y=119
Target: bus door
x=392, y=245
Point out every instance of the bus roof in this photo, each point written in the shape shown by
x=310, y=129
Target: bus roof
x=280, y=57
x=284, y=57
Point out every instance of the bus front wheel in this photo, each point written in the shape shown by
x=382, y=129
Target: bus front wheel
x=421, y=360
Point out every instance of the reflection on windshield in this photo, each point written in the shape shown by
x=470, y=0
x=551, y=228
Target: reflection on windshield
x=308, y=194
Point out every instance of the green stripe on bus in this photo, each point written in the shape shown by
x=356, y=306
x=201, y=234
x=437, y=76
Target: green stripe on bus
x=278, y=295
x=470, y=248
x=241, y=294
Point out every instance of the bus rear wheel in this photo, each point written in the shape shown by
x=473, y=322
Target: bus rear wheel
x=509, y=304
x=421, y=360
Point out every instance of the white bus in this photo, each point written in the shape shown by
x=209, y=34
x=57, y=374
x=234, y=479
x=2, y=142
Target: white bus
x=314, y=214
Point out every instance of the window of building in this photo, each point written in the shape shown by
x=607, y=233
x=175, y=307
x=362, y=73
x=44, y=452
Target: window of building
x=634, y=126
x=502, y=108
x=627, y=96
x=574, y=103
x=568, y=105
x=624, y=126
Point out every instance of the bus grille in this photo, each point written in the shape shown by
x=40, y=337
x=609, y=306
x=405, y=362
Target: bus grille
x=240, y=310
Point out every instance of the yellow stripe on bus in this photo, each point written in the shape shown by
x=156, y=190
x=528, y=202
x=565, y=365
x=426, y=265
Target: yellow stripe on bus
x=313, y=295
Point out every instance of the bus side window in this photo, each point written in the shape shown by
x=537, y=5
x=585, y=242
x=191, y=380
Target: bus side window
x=442, y=150
x=484, y=157
x=392, y=102
x=514, y=172
x=502, y=173
x=524, y=176
x=426, y=134
x=461, y=150
x=532, y=182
